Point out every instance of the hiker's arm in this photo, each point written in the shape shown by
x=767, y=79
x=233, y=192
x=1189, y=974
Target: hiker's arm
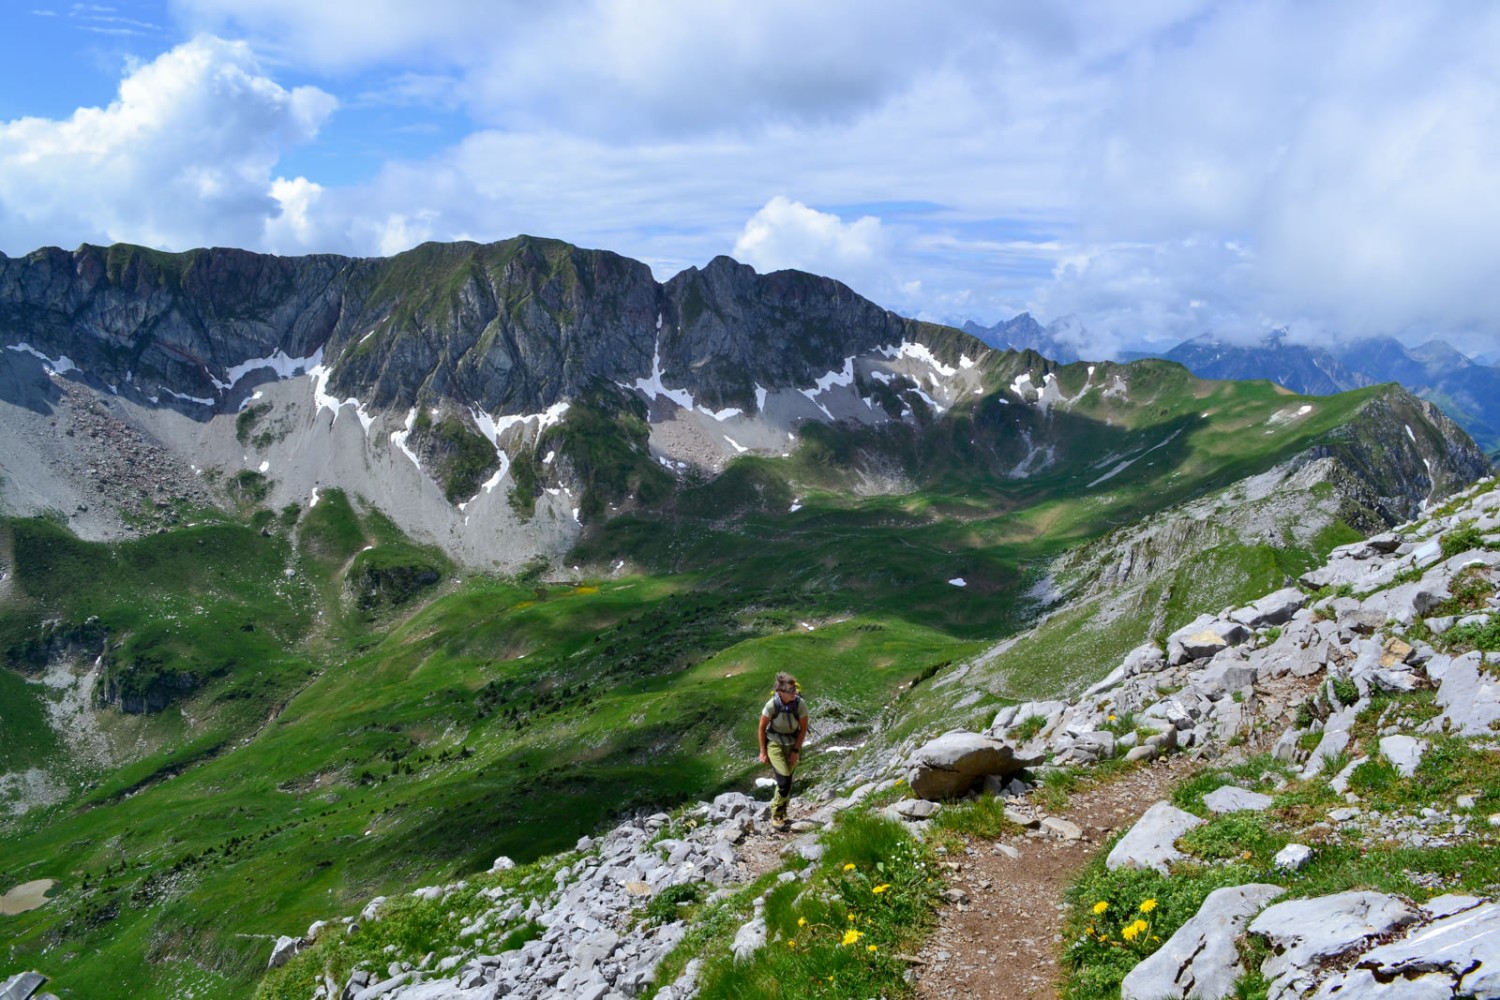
x=801, y=736
x=763, y=723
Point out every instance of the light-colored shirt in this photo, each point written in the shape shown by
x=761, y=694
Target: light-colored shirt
x=784, y=723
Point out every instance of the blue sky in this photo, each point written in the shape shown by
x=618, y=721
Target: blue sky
x=1155, y=170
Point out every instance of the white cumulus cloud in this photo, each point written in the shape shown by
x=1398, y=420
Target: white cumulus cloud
x=788, y=234
x=184, y=156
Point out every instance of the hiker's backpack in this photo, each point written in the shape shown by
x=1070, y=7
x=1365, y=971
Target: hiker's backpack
x=792, y=709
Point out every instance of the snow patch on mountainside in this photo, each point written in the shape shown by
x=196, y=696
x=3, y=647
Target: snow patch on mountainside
x=280, y=362
x=59, y=365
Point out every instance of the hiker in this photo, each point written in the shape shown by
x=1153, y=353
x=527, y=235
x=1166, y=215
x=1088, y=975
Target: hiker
x=783, y=728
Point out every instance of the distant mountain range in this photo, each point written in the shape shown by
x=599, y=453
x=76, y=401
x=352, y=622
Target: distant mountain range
x=1024, y=333
x=1467, y=390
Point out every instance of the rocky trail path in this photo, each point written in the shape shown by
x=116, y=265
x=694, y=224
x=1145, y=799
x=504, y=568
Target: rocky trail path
x=1002, y=939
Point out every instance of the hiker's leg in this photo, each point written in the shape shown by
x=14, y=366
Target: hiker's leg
x=781, y=769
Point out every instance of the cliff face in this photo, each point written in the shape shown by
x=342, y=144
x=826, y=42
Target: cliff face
x=151, y=323
x=506, y=328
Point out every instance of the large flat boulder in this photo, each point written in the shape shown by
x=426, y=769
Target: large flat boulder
x=1468, y=695
x=21, y=986
x=1151, y=842
x=1201, y=960
x=1304, y=934
x=1275, y=608
x=953, y=763
x=1457, y=954
x=1232, y=798
x=1203, y=638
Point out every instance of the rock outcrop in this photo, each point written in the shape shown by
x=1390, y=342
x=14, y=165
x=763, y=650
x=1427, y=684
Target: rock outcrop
x=591, y=941
x=1311, y=660
x=955, y=762
x=24, y=986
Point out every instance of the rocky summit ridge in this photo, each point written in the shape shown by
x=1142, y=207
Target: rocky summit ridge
x=1354, y=677
x=427, y=381
x=494, y=399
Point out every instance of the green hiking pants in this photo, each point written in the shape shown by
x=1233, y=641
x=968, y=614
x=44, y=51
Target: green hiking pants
x=780, y=756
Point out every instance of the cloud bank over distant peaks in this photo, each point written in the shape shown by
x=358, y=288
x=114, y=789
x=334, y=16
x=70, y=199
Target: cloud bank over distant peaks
x=1157, y=170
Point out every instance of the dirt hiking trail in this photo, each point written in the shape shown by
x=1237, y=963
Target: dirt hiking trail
x=1003, y=939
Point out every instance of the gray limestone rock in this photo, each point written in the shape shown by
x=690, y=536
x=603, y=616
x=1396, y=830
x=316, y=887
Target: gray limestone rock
x=283, y=950
x=1200, y=960
x=954, y=762
x=1304, y=933
x=1457, y=954
x=1292, y=857
x=1361, y=984
x=1226, y=674
x=1469, y=697
x=1062, y=828
x=1285, y=748
x=1275, y=608
x=1014, y=715
x=1144, y=659
x=383, y=988
x=1150, y=842
x=1203, y=638
x=1022, y=819
x=915, y=809
x=1404, y=752
x=22, y=986
x=1232, y=798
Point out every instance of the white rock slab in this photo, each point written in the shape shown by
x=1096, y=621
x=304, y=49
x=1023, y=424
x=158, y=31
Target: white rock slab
x=1303, y=933
x=1470, y=698
x=1200, y=960
x=1292, y=857
x=1150, y=843
x=1361, y=984
x=1232, y=798
x=1404, y=752
x=1464, y=947
x=1274, y=609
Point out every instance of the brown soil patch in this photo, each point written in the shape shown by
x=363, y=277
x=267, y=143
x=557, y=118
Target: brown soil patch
x=26, y=896
x=1004, y=941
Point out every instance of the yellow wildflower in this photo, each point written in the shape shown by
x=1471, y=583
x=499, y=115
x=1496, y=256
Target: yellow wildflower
x=1148, y=905
x=1132, y=931
x=881, y=888
x=1101, y=906
x=851, y=936
x=791, y=942
x=801, y=921
x=850, y=916
x=849, y=867
x=871, y=948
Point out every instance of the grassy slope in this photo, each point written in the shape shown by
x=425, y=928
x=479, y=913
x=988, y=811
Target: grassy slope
x=509, y=718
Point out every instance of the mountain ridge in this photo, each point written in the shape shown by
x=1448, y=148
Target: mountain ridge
x=1433, y=370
